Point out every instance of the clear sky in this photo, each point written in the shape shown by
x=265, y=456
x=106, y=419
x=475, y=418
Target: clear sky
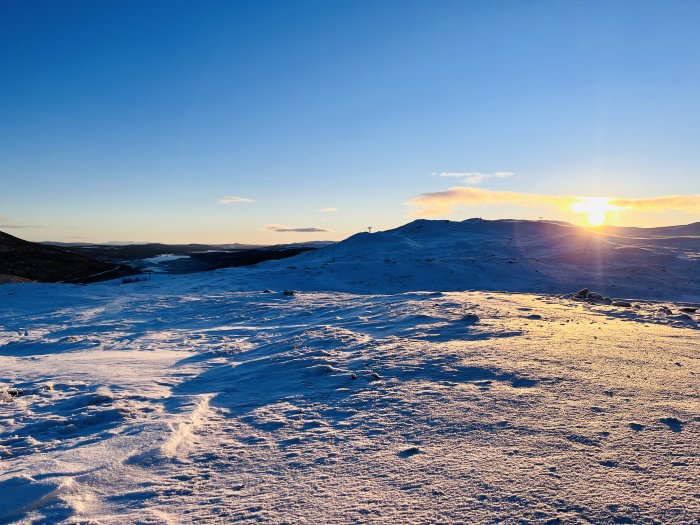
x=136, y=119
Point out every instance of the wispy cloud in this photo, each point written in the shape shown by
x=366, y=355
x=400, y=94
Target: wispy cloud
x=475, y=177
x=7, y=224
x=281, y=228
x=232, y=200
x=688, y=203
x=11, y=226
x=328, y=210
x=444, y=202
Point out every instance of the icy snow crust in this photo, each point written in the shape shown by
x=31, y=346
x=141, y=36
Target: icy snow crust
x=202, y=398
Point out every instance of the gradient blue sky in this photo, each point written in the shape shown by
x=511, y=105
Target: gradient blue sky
x=131, y=120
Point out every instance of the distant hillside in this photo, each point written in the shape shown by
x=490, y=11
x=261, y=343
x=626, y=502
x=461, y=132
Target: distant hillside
x=126, y=252
x=185, y=258
x=501, y=255
x=24, y=260
x=685, y=230
x=220, y=254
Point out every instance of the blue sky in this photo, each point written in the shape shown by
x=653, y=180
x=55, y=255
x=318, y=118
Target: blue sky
x=132, y=120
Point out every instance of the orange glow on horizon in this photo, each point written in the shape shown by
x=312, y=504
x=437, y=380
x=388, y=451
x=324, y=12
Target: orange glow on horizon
x=596, y=208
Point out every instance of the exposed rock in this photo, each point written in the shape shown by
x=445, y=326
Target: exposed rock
x=684, y=318
x=470, y=318
x=411, y=451
x=676, y=425
x=10, y=394
x=622, y=304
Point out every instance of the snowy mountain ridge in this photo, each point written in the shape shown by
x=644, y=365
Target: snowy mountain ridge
x=502, y=255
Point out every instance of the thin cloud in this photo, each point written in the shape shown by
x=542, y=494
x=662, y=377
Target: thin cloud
x=444, y=202
x=6, y=224
x=232, y=200
x=17, y=226
x=688, y=203
x=281, y=228
x=328, y=210
x=475, y=177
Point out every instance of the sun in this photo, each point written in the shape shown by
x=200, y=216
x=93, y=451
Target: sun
x=596, y=208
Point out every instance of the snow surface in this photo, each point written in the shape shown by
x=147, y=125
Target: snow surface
x=202, y=397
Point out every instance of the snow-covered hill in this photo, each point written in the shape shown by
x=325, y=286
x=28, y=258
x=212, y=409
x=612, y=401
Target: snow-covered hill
x=506, y=255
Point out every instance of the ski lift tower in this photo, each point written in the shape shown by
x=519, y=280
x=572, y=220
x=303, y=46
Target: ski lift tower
x=369, y=229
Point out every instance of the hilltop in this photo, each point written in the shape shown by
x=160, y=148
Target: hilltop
x=500, y=255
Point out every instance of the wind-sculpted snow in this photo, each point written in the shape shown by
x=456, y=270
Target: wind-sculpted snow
x=178, y=400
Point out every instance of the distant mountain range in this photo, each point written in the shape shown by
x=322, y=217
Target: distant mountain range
x=116, y=245
x=22, y=260
x=131, y=252
x=685, y=230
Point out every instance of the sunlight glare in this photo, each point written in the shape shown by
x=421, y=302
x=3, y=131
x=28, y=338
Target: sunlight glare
x=596, y=208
